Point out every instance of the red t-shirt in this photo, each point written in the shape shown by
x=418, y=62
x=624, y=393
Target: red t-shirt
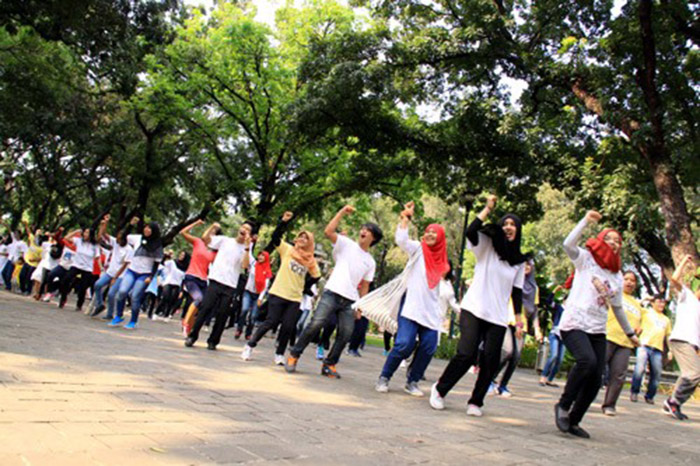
x=202, y=256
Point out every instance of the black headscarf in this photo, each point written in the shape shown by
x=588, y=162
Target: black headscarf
x=184, y=263
x=508, y=251
x=153, y=242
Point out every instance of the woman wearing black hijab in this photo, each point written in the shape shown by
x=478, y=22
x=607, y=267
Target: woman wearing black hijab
x=148, y=252
x=499, y=274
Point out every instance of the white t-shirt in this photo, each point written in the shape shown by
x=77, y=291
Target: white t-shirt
x=139, y=264
x=352, y=265
x=171, y=274
x=3, y=256
x=585, y=309
x=487, y=298
x=85, y=254
x=16, y=249
x=307, y=301
x=421, y=304
x=447, y=297
x=118, y=256
x=226, y=268
x=250, y=283
x=47, y=262
x=66, y=260
x=687, y=325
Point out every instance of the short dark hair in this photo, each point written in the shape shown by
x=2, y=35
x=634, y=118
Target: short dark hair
x=253, y=226
x=377, y=233
x=659, y=296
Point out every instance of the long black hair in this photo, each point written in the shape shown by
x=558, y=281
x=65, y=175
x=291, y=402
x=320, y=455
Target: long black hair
x=508, y=251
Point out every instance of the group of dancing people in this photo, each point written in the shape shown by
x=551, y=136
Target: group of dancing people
x=600, y=323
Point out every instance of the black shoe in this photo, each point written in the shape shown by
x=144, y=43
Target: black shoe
x=211, y=346
x=97, y=311
x=579, y=432
x=189, y=342
x=674, y=410
x=329, y=371
x=561, y=418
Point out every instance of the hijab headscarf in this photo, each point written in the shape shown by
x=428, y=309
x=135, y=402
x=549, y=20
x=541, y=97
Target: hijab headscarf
x=435, y=256
x=530, y=289
x=508, y=251
x=184, y=263
x=263, y=271
x=603, y=255
x=305, y=255
x=153, y=243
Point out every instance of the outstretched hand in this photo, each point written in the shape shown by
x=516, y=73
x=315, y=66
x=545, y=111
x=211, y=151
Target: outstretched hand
x=408, y=209
x=491, y=200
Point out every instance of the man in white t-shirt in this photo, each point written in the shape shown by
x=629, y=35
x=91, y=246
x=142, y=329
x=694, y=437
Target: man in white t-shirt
x=685, y=340
x=233, y=256
x=352, y=274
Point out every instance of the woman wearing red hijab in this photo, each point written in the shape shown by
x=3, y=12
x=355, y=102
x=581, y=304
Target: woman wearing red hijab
x=259, y=274
x=421, y=315
x=597, y=285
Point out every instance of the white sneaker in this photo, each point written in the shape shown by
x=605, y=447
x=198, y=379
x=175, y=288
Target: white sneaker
x=412, y=389
x=246, y=353
x=382, y=385
x=403, y=364
x=474, y=410
x=279, y=359
x=47, y=297
x=436, y=401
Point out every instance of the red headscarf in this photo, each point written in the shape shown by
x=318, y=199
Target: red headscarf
x=262, y=272
x=602, y=254
x=436, y=265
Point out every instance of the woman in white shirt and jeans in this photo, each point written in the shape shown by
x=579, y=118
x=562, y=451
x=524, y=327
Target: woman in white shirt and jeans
x=597, y=285
x=498, y=275
x=421, y=315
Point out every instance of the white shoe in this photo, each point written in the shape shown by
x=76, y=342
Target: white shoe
x=279, y=359
x=47, y=297
x=474, y=410
x=403, y=364
x=412, y=389
x=246, y=353
x=382, y=385
x=436, y=401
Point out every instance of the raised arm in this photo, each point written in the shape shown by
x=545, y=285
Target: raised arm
x=475, y=226
x=677, y=277
x=279, y=231
x=246, y=257
x=185, y=232
x=571, y=241
x=206, y=237
x=332, y=227
x=401, y=237
x=103, y=227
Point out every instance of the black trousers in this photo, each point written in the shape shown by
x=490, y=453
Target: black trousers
x=78, y=279
x=510, y=362
x=279, y=311
x=25, y=278
x=473, y=331
x=217, y=300
x=168, y=300
x=586, y=376
x=358, y=334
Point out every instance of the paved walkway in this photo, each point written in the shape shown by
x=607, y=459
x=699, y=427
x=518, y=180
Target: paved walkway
x=73, y=391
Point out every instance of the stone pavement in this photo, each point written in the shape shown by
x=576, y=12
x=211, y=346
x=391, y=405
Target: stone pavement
x=73, y=391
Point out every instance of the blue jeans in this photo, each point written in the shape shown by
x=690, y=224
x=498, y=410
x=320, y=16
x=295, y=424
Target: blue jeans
x=136, y=284
x=249, y=312
x=329, y=304
x=403, y=348
x=655, y=358
x=555, y=358
x=98, y=290
x=112, y=297
x=7, y=275
x=302, y=320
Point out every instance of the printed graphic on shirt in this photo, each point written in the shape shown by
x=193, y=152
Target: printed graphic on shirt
x=297, y=268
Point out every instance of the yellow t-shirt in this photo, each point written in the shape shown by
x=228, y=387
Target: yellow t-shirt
x=33, y=254
x=655, y=328
x=634, y=313
x=289, y=282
